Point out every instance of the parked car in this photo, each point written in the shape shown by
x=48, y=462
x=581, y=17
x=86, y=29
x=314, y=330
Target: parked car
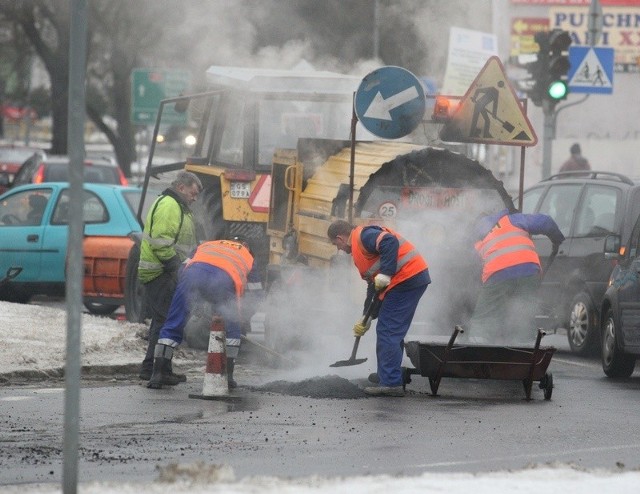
x=34, y=232
x=11, y=158
x=40, y=168
x=589, y=207
x=620, y=321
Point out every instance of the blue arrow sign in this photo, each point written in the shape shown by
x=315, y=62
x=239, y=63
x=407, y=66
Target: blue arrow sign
x=390, y=102
x=591, y=70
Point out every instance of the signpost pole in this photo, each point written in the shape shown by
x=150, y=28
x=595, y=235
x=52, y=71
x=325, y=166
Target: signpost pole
x=352, y=165
x=548, y=134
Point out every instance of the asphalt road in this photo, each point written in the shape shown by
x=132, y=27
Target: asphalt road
x=131, y=433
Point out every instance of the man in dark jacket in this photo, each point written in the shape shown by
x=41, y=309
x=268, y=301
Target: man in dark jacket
x=576, y=161
x=169, y=237
x=511, y=275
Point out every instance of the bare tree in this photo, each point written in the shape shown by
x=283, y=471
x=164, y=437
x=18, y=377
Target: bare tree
x=124, y=35
x=46, y=24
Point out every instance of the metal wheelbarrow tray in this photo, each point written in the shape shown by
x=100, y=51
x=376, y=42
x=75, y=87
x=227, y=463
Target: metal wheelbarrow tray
x=436, y=361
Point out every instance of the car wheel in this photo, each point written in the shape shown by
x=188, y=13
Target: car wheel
x=581, y=333
x=615, y=363
x=100, y=309
x=134, y=303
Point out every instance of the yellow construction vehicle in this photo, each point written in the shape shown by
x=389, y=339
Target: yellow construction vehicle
x=229, y=139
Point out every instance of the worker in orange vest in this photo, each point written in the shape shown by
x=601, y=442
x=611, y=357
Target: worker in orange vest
x=218, y=272
x=396, y=274
x=511, y=274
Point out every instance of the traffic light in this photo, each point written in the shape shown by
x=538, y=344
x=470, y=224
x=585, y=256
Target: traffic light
x=549, y=70
x=559, y=42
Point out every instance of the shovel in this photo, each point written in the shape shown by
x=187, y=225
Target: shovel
x=375, y=303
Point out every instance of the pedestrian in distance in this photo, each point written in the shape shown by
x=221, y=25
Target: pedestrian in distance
x=168, y=238
x=397, y=275
x=511, y=274
x=576, y=161
x=217, y=273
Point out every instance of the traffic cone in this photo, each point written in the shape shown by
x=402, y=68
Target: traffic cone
x=216, y=385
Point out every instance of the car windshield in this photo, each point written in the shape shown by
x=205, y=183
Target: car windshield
x=133, y=199
x=11, y=155
x=103, y=174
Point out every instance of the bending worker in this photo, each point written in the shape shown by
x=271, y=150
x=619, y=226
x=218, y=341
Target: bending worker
x=396, y=274
x=511, y=274
x=218, y=273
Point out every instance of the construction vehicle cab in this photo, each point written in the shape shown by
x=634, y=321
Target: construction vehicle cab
x=227, y=136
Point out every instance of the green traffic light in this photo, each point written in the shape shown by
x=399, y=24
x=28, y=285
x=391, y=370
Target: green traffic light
x=557, y=90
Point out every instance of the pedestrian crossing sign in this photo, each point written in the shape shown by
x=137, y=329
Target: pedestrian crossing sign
x=490, y=112
x=591, y=70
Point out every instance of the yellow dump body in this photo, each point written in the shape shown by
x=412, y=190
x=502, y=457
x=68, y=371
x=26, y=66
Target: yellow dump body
x=311, y=202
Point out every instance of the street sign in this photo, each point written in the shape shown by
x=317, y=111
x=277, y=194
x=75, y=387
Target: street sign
x=490, y=113
x=390, y=102
x=149, y=87
x=591, y=70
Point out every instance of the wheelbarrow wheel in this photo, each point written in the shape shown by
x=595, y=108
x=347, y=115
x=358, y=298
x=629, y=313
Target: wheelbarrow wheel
x=546, y=384
x=433, y=383
x=527, y=384
x=406, y=377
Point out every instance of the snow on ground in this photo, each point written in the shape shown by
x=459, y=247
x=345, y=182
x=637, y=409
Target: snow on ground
x=33, y=339
x=560, y=480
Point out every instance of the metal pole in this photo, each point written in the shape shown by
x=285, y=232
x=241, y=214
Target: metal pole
x=594, y=23
x=352, y=162
x=522, y=158
x=376, y=29
x=551, y=115
x=76, y=107
x=548, y=134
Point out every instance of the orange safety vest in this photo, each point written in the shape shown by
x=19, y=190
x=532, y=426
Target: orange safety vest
x=505, y=246
x=410, y=262
x=232, y=257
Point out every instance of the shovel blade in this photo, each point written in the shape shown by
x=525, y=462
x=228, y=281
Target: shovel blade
x=349, y=362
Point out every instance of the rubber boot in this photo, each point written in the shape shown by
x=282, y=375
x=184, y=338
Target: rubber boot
x=162, y=358
x=168, y=371
x=231, y=362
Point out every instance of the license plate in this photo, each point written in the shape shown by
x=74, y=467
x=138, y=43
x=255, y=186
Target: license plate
x=240, y=190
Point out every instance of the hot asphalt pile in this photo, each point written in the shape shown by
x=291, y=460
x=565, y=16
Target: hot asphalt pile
x=331, y=386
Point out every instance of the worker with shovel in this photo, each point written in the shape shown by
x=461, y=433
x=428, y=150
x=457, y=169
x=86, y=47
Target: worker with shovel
x=397, y=277
x=218, y=273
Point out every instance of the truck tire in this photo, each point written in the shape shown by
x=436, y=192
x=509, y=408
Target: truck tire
x=209, y=211
x=615, y=363
x=134, y=302
x=582, y=328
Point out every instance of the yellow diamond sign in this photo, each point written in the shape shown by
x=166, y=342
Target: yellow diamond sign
x=490, y=112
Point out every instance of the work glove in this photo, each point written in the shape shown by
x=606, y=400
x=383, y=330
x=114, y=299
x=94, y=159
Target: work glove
x=172, y=265
x=361, y=327
x=381, y=281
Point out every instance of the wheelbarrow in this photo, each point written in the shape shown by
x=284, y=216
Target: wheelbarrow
x=525, y=364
